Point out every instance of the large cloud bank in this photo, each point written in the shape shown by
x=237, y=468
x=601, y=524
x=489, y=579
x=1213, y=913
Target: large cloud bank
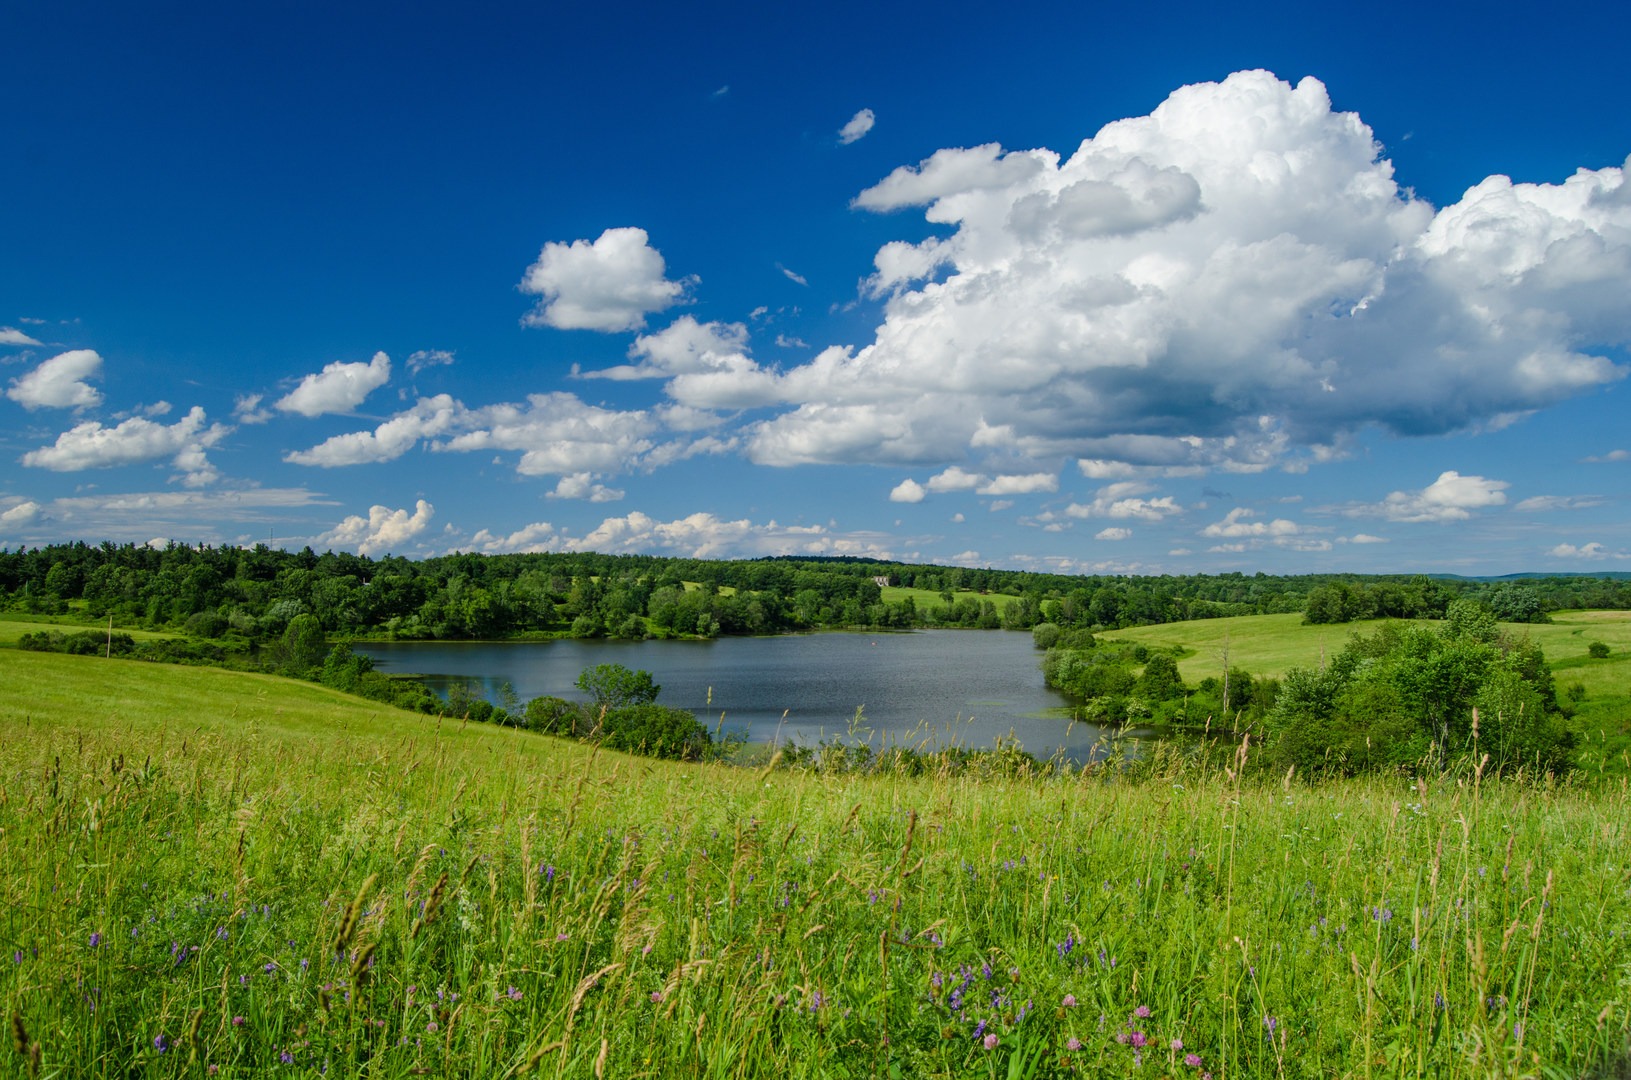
x=1234, y=281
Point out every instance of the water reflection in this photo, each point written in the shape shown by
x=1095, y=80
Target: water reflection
x=925, y=689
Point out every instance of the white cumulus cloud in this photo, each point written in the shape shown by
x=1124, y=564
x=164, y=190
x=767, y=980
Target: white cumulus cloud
x=19, y=514
x=427, y=418
x=1125, y=500
x=582, y=486
x=92, y=446
x=10, y=336
x=857, y=127
x=558, y=435
x=338, y=388
x=1234, y=281
x=1113, y=532
x=59, y=383
x=1026, y=484
x=907, y=491
x=1588, y=551
x=1452, y=497
x=382, y=530
x=610, y=284
x=1234, y=524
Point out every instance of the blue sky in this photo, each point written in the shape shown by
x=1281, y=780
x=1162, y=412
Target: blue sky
x=1187, y=289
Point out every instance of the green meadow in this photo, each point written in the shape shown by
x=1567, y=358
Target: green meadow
x=1596, y=690
x=930, y=598
x=211, y=873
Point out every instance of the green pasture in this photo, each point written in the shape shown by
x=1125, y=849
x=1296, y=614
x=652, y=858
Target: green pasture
x=929, y=598
x=1271, y=644
x=14, y=625
x=211, y=873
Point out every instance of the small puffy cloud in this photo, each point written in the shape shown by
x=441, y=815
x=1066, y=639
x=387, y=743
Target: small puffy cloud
x=794, y=277
x=582, y=486
x=1113, y=532
x=1124, y=500
x=956, y=479
x=1028, y=484
x=19, y=514
x=423, y=358
x=1545, y=503
x=1098, y=469
x=8, y=336
x=246, y=409
x=907, y=491
x=684, y=347
x=1452, y=497
x=707, y=365
x=1362, y=538
x=92, y=446
x=558, y=435
x=382, y=530
x=428, y=418
x=1234, y=524
x=953, y=173
x=857, y=127
x=700, y=536
x=1612, y=455
x=1588, y=551
x=59, y=383
x=540, y=536
x=338, y=388
x=610, y=285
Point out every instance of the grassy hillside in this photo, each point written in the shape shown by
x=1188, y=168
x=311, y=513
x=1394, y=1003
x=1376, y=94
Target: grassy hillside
x=1270, y=644
x=14, y=625
x=1596, y=691
x=212, y=873
x=929, y=598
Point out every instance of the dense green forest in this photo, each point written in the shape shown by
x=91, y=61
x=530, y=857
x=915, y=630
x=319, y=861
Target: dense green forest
x=1381, y=702
x=253, y=593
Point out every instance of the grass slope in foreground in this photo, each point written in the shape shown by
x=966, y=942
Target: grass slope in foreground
x=211, y=873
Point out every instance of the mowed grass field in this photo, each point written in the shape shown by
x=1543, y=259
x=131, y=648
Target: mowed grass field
x=14, y=626
x=928, y=598
x=1271, y=644
x=211, y=873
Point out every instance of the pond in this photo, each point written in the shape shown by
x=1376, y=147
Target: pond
x=929, y=687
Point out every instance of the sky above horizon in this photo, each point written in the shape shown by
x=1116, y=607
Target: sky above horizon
x=1188, y=289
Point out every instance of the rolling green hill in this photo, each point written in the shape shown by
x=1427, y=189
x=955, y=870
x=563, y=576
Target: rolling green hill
x=217, y=873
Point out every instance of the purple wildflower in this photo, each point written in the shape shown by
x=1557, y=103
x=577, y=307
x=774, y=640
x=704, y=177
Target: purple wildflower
x=160, y=1043
x=991, y=1041
x=1069, y=1002
x=1192, y=1060
x=1073, y=1044
x=1142, y=1012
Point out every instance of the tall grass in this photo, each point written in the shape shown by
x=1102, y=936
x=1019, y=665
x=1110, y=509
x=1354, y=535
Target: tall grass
x=217, y=874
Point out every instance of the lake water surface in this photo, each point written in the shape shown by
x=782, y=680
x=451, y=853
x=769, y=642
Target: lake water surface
x=963, y=687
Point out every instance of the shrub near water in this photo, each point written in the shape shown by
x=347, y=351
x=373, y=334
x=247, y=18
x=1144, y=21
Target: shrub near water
x=435, y=899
